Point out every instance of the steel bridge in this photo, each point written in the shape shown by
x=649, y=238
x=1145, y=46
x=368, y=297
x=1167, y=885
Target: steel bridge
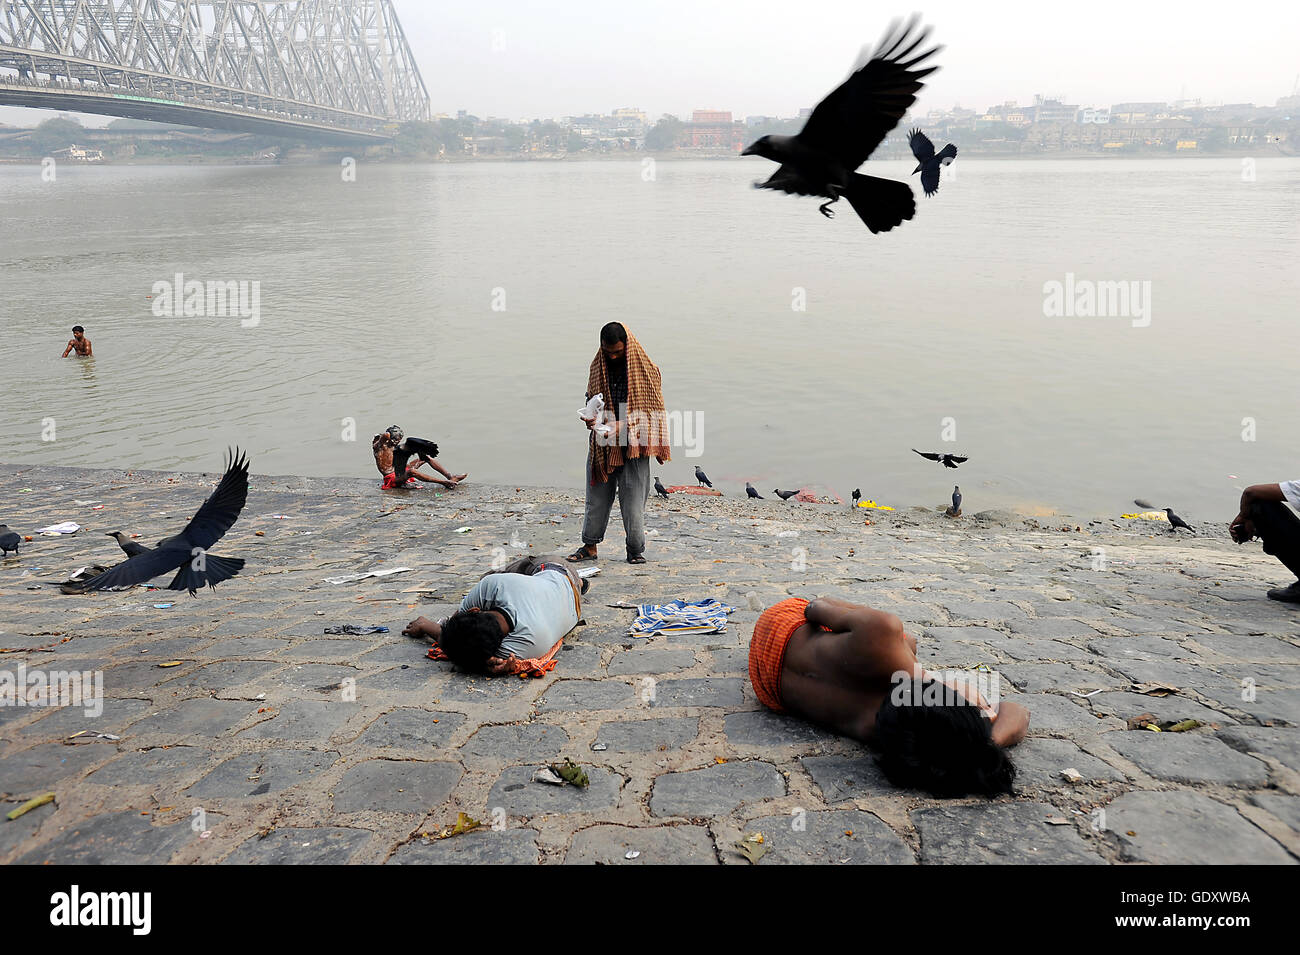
x=330, y=70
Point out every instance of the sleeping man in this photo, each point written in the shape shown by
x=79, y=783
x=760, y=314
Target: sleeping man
x=854, y=670
x=511, y=622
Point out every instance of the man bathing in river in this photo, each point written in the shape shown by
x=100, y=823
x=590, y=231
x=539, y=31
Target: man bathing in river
x=854, y=670
x=512, y=621
x=392, y=452
x=79, y=343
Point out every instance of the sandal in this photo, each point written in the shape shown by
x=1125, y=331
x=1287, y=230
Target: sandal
x=579, y=555
x=635, y=560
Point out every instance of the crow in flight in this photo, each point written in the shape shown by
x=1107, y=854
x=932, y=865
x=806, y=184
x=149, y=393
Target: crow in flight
x=186, y=553
x=784, y=495
x=9, y=541
x=927, y=163
x=660, y=489
x=947, y=460
x=749, y=490
x=846, y=127
x=1176, y=522
x=702, y=477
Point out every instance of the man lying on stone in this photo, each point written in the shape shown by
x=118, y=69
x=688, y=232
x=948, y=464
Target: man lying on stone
x=1264, y=514
x=511, y=622
x=854, y=670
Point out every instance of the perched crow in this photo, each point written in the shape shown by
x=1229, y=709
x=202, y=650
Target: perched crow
x=660, y=489
x=187, y=553
x=947, y=460
x=9, y=541
x=1176, y=522
x=784, y=495
x=956, y=498
x=927, y=163
x=846, y=127
x=749, y=489
x=857, y=495
x=702, y=477
x=129, y=547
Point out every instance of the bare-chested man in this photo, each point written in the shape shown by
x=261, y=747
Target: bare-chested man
x=79, y=343
x=392, y=452
x=855, y=670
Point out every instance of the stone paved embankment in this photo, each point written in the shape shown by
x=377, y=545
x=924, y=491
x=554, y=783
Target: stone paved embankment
x=265, y=740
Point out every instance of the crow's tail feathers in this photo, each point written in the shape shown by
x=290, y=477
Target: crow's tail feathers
x=215, y=570
x=880, y=203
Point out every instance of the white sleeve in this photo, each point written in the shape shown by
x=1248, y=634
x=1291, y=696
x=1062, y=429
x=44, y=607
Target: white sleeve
x=1291, y=491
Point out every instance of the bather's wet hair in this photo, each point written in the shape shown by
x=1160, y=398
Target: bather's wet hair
x=612, y=334
x=78, y=328
x=471, y=639
x=946, y=749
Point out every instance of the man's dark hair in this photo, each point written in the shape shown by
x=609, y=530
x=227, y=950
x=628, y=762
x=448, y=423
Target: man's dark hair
x=471, y=639
x=78, y=328
x=612, y=334
x=946, y=748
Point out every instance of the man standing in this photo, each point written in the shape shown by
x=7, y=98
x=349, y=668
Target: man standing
x=1264, y=514
x=619, y=461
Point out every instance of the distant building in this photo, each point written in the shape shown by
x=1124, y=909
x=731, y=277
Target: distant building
x=1054, y=111
x=1095, y=115
x=1137, y=113
x=714, y=129
x=76, y=153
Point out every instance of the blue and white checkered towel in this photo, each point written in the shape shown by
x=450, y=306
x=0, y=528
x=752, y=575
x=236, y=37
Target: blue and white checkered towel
x=680, y=616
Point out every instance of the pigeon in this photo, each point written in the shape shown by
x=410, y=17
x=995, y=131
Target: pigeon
x=749, y=490
x=129, y=547
x=956, y=498
x=784, y=495
x=660, y=489
x=847, y=126
x=9, y=541
x=1176, y=522
x=702, y=477
x=857, y=495
x=947, y=460
x=186, y=553
x=927, y=162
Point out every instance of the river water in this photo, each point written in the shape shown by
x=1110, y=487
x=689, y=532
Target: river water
x=463, y=302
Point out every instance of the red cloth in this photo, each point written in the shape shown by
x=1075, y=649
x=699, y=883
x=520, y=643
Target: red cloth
x=390, y=482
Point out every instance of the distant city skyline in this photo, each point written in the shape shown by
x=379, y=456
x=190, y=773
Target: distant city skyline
x=511, y=59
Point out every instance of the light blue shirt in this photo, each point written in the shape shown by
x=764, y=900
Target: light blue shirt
x=540, y=607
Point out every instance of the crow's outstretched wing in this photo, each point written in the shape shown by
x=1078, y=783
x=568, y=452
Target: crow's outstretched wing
x=947, y=154
x=137, y=570
x=930, y=180
x=958, y=459
x=223, y=506
x=922, y=148
x=932, y=455
x=787, y=179
x=857, y=115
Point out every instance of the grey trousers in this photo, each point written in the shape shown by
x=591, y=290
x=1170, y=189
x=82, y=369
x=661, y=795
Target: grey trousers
x=632, y=484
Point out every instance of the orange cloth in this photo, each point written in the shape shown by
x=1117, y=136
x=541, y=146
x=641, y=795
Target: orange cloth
x=772, y=632
x=535, y=667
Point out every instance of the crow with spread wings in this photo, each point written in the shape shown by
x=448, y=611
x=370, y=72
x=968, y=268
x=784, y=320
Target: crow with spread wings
x=187, y=552
x=847, y=126
x=928, y=163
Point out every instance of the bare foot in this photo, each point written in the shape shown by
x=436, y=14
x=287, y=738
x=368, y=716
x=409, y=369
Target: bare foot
x=449, y=485
x=460, y=477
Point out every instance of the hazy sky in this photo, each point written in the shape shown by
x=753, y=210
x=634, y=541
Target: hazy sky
x=525, y=60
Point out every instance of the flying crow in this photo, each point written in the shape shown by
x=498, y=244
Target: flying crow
x=187, y=553
x=749, y=490
x=857, y=495
x=927, y=163
x=702, y=477
x=784, y=495
x=947, y=460
x=847, y=126
x=660, y=489
x=1176, y=522
x=9, y=541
